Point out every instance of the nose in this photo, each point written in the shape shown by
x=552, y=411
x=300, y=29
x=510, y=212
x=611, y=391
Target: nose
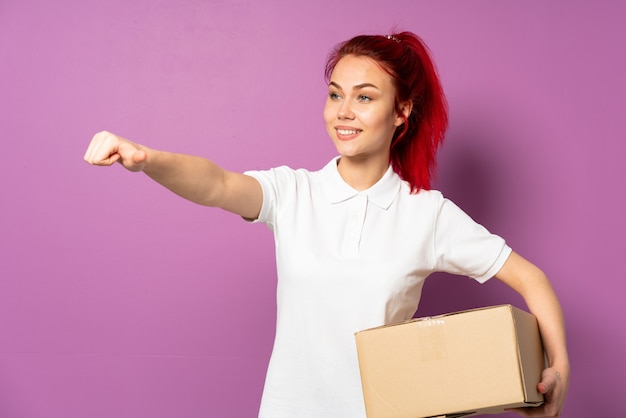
x=345, y=110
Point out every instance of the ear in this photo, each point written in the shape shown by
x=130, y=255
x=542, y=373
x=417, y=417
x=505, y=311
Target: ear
x=405, y=110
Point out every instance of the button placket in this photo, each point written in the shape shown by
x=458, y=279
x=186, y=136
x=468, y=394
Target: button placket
x=356, y=219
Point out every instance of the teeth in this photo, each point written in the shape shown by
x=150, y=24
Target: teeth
x=347, y=131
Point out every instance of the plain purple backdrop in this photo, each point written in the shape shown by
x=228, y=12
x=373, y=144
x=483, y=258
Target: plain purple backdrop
x=118, y=299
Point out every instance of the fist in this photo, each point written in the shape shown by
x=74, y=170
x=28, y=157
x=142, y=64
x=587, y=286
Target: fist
x=106, y=148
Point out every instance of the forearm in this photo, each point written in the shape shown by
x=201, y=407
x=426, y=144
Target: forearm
x=544, y=304
x=193, y=178
x=533, y=285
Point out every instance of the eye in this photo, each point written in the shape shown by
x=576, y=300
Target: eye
x=364, y=98
x=334, y=95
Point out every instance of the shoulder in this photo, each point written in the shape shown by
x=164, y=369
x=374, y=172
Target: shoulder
x=431, y=202
x=285, y=174
x=281, y=172
x=284, y=178
x=424, y=197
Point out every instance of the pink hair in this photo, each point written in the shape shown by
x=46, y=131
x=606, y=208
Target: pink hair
x=405, y=57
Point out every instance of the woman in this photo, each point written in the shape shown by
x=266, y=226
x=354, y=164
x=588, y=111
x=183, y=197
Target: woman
x=356, y=239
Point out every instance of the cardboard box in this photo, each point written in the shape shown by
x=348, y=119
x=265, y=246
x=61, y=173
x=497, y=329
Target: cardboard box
x=479, y=361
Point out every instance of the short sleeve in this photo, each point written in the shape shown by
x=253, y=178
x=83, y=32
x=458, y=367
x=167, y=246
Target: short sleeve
x=463, y=246
x=265, y=215
x=275, y=184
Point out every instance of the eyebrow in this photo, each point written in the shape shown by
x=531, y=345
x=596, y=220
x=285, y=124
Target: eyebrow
x=357, y=87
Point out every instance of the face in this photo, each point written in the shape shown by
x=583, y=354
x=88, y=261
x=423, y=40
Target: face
x=360, y=112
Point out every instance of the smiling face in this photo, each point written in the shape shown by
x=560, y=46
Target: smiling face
x=360, y=112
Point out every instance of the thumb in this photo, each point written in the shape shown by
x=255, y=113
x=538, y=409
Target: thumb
x=133, y=160
x=548, y=382
x=139, y=157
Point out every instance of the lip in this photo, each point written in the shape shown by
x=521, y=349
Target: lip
x=347, y=133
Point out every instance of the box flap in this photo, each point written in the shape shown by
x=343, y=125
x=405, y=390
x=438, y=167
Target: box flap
x=531, y=356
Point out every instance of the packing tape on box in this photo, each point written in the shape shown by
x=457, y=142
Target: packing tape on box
x=432, y=342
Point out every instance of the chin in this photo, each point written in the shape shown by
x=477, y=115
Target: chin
x=342, y=151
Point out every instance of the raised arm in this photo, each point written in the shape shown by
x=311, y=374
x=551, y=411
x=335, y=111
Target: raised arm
x=533, y=285
x=193, y=178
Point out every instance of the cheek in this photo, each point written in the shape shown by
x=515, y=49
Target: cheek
x=329, y=120
x=329, y=113
x=391, y=119
x=377, y=118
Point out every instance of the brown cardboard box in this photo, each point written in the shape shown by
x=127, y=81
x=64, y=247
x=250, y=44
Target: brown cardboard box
x=479, y=361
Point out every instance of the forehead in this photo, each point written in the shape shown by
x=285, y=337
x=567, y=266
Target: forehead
x=354, y=70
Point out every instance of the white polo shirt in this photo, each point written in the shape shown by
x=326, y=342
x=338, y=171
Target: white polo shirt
x=349, y=260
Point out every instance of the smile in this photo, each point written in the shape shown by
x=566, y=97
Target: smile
x=348, y=131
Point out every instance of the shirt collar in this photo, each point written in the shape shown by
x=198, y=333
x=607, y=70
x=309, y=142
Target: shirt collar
x=381, y=194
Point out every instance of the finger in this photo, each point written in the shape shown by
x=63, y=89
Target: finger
x=538, y=411
x=103, y=155
x=90, y=150
x=102, y=150
x=110, y=160
x=93, y=150
x=548, y=382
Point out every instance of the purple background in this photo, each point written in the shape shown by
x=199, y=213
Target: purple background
x=118, y=299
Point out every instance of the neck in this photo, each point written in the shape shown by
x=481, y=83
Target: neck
x=362, y=174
